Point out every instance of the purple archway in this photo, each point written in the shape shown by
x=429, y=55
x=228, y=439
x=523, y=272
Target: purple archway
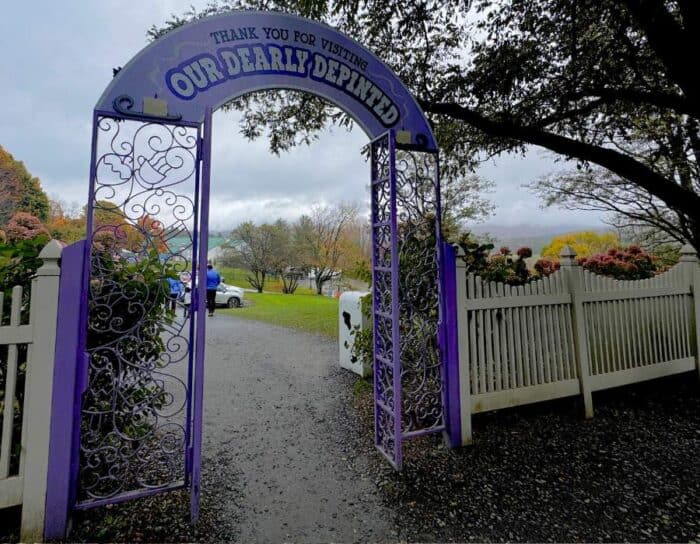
x=137, y=416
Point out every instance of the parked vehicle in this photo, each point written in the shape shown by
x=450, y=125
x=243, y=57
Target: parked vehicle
x=229, y=296
x=226, y=295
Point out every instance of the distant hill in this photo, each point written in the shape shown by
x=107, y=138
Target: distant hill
x=529, y=235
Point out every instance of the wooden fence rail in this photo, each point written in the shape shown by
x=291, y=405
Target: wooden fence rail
x=571, y=333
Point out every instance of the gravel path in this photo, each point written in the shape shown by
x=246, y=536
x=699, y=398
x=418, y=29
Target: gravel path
x=276, y=400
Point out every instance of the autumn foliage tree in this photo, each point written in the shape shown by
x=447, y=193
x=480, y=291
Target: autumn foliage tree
x=321, y=238
x=585, y=243
x=65, y=224
x=24, y=226
x=19, y=190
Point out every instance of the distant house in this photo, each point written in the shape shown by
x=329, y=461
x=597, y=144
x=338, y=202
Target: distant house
x=182, y=245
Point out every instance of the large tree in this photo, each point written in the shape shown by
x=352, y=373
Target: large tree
x=321, y=240
x=259, y=249
x=599, y=82
x=19, y=190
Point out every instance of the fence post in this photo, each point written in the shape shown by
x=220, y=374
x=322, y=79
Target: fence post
x=67, y=360
x=461, y=325
x=689, y=262
x=450, y=350
x=39, y=386
x=574, y=281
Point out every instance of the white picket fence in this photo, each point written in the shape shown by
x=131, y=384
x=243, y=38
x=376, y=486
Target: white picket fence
x=572, y=333
x=23, y=474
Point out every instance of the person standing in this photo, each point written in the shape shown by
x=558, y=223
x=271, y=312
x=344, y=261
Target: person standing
x=213, y=281
x=175, y=293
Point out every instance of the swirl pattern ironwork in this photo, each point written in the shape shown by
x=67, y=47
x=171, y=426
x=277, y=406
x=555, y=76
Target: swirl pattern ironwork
x=421, y=369
x=134, y=413
x=405, y=221
x=384, y=391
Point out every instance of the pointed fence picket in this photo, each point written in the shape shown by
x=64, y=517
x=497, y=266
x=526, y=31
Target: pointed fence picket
x=571, y=333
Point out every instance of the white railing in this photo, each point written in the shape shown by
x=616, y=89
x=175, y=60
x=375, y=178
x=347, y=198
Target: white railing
x=23, y=464
x=571, y=333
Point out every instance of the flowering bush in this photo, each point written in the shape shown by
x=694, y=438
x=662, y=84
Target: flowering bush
x=631, y=263
x=545, y=267
x=501, y=266
x=24, y=226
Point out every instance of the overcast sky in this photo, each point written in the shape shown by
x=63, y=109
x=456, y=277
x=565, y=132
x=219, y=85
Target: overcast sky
x=57, y=58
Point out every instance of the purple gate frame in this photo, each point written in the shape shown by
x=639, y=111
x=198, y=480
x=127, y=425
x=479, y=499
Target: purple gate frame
x=194, y=330
x=413, y=355
x=145, y=78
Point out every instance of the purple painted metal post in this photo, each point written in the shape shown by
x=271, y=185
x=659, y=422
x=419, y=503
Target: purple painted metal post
x=450, y=350
x=193, y=301
x=200, y=317
x=395, y=309
x=81, y=362
x=58, y=495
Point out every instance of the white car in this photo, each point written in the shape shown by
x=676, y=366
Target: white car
x=226, y=295
x=229, y=296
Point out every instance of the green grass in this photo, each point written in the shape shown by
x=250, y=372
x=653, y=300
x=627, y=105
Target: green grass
x=237, y=277
x=310, y=313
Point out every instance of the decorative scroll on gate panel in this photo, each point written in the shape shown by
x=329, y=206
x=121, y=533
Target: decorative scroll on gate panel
x=135, y=411
x=387, y=393
x=418, y=217
x=408, y=370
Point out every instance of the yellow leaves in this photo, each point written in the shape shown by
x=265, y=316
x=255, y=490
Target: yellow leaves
x=585, y=243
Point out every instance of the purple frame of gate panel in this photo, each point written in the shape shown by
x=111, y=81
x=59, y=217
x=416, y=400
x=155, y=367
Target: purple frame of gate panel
x=448, y=330
x=395, y=309
x=194, y=313
x=394, y=457
x=82, y=364
x=195, y=454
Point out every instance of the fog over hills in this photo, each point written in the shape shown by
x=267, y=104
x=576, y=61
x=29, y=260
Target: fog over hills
x=528, y=234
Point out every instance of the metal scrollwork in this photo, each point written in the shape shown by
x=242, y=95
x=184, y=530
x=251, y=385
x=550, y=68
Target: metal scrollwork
x=385, y=394
x=407, y=364
x=421, y=369
x=134, y=422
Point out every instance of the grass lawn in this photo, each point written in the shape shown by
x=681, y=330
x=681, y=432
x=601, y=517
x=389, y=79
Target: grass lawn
x=310, y=313
x=237, y=277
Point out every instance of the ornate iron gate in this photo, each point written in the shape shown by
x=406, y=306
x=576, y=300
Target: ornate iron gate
x=406, y=241
x=136, y=397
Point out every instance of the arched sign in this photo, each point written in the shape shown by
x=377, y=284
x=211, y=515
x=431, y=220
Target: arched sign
x=211, y=61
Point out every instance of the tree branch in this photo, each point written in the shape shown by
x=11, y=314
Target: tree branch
x=624, y=166
x=671, y=42
x=660, y=99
